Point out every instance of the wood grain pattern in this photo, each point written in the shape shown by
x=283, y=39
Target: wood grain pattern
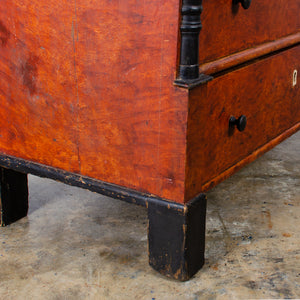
x=254, y=155
x=263, y=92
x=87, y=87
x=249, y=54
x=37, y=87
x=228, y=29
x=134, y=129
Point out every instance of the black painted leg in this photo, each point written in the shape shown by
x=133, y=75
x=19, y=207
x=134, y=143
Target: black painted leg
x=14, y=196
x=176, y=236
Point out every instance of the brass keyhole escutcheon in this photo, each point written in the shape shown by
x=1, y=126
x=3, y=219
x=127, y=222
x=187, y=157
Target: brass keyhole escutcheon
x=295, y=75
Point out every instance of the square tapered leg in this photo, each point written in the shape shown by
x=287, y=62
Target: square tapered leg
x=14, y=196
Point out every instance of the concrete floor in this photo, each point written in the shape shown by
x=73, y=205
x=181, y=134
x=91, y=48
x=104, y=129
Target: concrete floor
x=75, y=244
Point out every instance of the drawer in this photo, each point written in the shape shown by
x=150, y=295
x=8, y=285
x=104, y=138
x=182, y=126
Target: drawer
x=229, y=28
x=265, y=92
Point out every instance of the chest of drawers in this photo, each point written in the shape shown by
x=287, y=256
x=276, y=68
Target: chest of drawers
x=151, y=102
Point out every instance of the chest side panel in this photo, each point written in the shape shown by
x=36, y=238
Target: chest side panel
x=87, y=86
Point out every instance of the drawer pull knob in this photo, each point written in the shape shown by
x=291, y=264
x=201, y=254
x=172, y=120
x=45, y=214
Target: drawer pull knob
x=245, y=3
x=240, y=123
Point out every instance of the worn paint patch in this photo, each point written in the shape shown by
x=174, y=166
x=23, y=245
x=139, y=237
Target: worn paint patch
x=30, y=72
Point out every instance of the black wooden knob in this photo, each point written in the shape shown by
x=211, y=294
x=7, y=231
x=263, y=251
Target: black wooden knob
x=240, y=123
x=245, y=3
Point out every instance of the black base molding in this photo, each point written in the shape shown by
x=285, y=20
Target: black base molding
x=176, y=232
x=14, y=196
x=94, y=185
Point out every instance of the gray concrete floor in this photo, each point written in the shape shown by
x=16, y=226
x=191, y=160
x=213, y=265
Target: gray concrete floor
x=75, y=244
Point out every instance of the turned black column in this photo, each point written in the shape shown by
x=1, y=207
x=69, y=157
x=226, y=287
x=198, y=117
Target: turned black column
x=190, y=29
x=188, y=74
x=14, y=196
x=176, y=236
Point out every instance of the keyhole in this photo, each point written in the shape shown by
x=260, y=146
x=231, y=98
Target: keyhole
x=295, y=77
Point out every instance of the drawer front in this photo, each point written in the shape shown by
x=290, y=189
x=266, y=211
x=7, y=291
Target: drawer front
x=229, y=28
x=265, y=92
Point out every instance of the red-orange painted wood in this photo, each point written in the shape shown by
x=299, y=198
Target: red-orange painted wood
x=248, y=159
x=87, y=86
x=262, y=91
x=228, y=29
x=37, y=82
x=133, y=126
x=249, y=54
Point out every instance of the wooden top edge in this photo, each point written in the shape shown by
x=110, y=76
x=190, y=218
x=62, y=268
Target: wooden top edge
x=249, y=54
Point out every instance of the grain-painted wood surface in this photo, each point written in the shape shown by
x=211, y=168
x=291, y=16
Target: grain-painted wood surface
x=264, y=92
x=248, y=159
x=250, y=54
x=87, y=86
x=229, y=28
